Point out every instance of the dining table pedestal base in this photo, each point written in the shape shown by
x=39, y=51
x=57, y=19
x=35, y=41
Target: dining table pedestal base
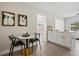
x=28, y=52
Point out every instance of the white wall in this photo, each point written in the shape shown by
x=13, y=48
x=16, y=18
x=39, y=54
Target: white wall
x=16, y=30
x=18, y=8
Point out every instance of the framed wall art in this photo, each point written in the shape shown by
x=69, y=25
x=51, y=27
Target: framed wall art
x=22, y=20
x=8, y=19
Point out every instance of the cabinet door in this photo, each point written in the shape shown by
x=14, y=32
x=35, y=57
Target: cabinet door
x=49, y=36
x=57, y=37
x=61, y=40
x=54, y=37
x=68, y=40
x=73, y=40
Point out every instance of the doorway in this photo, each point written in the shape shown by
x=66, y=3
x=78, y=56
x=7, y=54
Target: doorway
x=42, y=27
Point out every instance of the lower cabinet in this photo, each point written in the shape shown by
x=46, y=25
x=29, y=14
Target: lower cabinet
x=61, y=38
x=67, y=40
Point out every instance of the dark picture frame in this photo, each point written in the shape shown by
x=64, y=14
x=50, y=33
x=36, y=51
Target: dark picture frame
x=8, y=18
x=22, y=20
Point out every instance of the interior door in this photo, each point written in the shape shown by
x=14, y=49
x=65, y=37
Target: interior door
x=41, y=27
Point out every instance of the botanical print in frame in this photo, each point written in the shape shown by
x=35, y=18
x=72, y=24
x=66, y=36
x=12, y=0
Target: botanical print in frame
x=22, y=20
x=8, y=19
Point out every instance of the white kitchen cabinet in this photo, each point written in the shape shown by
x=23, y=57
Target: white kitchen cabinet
x=50, y=36
x=67, y=39
x=73, y=40
x=61, y=38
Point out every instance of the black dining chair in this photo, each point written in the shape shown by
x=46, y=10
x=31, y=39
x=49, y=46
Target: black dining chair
x=15, y=42
x=35, y=39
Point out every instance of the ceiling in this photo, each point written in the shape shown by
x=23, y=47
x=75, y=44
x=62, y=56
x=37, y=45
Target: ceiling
x=58, y=9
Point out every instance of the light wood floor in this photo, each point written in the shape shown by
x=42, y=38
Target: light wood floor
x=49, y=49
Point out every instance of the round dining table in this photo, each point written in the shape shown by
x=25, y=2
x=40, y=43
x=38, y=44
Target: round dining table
x=27, y=40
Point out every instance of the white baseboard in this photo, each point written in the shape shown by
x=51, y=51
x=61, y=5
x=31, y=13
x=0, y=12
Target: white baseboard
x=7, y=51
